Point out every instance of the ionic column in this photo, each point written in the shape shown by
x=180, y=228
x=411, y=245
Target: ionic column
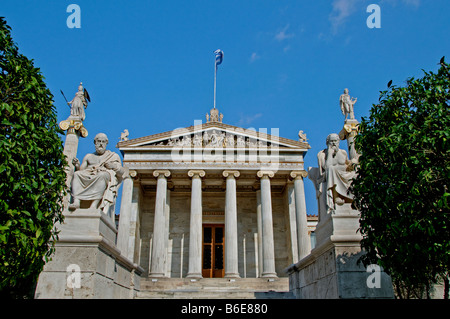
x=159, y=229
x=292, y=220
x=195, y=235
x=268, y=261
x=75, y=129
x=259, y=225
x=231, y=236
x=304, y=241
x=125, y=213
x=134, y=239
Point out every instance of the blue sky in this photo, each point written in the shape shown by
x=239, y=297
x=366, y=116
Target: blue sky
x=149, y=65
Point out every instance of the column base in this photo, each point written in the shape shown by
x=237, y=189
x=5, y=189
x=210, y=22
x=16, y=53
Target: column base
x=194, y=276
x=269, y=275
x=232, y=275
x=157, y=275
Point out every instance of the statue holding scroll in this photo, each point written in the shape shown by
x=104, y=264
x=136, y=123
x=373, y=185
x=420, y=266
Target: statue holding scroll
x=98, y=177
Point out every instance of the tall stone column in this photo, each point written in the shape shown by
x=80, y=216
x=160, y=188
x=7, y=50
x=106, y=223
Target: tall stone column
x=304, y=241
x=195, y=235
x=231, y=236
x=259, y=226
x=267, y=225
x=75, y=129
x=349, y=132
x=290, y=199
x=134, y=243
x=125, y=213
x=159, y=244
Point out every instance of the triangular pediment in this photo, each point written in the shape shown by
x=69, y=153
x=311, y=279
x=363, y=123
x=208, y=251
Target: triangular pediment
x=212, y=135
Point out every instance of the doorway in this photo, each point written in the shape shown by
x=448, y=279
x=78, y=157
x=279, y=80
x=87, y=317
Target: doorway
x=213, y=251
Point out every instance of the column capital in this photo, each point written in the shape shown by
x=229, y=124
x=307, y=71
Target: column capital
x=228, y=173
x=133, y=173
x=350, y=129
x=161, y=172
x=296, y=174
x=195, y=172
x=129, y=173
x=261, y=174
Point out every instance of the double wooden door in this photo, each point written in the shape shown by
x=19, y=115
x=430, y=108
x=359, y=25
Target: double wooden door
x=213, y=251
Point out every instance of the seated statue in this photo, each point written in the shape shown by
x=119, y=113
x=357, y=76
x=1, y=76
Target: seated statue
x=98, y=177
x=334, y=175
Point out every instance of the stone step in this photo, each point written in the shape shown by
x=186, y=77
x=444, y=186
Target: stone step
x=254, y=284
x=194, y=295
x=214, y=288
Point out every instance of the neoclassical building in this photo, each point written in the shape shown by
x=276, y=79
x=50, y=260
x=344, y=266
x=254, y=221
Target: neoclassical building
x=207, y=211
x=214, y=200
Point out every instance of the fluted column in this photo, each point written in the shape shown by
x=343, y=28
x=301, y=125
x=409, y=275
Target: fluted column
x=304, y=241
x=231, y=237
x=125, y=213
x=267, y=225
x=259, y=226
x=159, y=229
x=290, y=197
x=195, y=235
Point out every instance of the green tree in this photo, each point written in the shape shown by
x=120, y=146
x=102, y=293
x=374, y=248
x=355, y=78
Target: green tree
x=402, y=189
x=32, y=178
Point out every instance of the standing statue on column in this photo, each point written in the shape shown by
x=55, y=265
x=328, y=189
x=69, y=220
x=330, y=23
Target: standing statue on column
x=98, y=177
x=347, y=105
x=79, y=103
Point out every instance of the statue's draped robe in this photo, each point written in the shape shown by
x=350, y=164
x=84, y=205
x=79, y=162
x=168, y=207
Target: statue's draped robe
x=78, y=105
x=336, y=178
x=97, y=182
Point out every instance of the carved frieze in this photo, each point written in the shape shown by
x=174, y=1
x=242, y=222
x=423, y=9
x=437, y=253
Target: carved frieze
x=215, y=138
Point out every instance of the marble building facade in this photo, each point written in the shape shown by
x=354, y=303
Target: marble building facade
x=214, y=200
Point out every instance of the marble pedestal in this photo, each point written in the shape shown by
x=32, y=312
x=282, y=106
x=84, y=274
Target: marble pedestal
x=86, y=262
x=331, y=271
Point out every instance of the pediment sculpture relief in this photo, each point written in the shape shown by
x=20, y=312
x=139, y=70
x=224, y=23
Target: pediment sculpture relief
x=215, y=138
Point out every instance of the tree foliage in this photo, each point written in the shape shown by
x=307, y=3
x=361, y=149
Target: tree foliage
x=402, y=189
x=31, y=169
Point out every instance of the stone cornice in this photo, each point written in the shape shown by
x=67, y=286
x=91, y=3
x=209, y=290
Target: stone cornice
x=213, y=165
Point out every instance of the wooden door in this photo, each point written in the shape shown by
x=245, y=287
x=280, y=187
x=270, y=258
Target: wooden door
x=213, y=251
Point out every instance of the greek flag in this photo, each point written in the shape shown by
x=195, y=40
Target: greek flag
x=219, y=57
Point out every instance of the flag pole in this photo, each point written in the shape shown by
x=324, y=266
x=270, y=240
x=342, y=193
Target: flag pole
x=215, y=76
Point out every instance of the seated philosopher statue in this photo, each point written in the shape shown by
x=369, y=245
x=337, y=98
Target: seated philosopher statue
x=334, y=175
x=98, y=177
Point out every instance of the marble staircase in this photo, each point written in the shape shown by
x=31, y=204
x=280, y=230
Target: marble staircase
x=214, y=288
